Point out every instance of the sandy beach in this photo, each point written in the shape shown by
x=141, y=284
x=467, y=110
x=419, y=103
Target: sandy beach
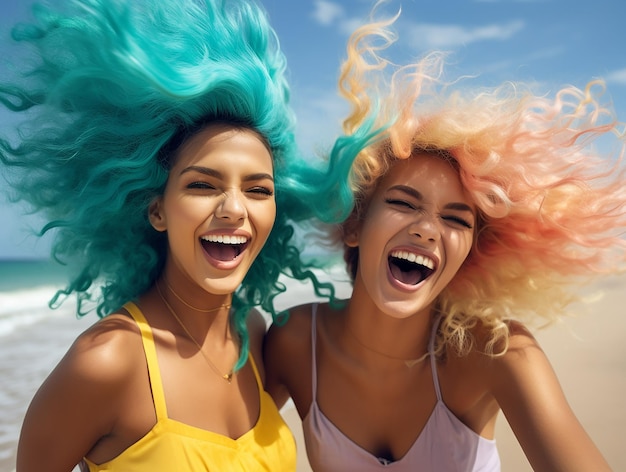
x=587, y=352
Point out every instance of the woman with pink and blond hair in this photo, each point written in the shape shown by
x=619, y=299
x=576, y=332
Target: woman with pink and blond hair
x=474, y=216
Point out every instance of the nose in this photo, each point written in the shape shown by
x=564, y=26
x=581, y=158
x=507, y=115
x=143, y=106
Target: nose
x=426, y=228
x=232, y=206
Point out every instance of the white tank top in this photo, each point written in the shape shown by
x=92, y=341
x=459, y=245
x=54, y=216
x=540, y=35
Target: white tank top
x=444, y=445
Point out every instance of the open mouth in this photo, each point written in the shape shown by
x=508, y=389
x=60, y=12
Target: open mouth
x=224, y=247
x=410, y=268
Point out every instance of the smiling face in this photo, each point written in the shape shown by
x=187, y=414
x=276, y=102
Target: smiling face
x=417, y=231
x=218, y=207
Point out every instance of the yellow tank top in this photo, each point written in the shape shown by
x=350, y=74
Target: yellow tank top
x=176, y=447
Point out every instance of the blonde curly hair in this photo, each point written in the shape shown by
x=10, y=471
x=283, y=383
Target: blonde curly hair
x=551, y=207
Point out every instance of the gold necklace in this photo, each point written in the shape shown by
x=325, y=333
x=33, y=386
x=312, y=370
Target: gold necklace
x=228, y=376
x=408, y=362
x=182, y=300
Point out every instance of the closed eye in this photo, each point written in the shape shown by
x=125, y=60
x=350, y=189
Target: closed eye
x=400, y=203
x=261, y=191
x=458, y=220
x=200, y=185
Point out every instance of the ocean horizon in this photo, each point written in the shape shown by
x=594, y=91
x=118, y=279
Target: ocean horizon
x=24, y=273
x=26, y=288
x=28, y=285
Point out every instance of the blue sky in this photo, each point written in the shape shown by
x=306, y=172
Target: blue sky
x=549, y=43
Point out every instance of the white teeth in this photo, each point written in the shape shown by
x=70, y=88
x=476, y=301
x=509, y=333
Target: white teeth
x=416, y=258
x=225, y=239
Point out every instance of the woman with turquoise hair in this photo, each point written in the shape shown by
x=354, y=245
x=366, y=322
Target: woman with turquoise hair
x=157, y=141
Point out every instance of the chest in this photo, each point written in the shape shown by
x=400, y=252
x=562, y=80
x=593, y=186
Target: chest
x=382, y=412
x=386, y=412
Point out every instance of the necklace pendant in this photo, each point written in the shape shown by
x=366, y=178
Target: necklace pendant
x=228, y=377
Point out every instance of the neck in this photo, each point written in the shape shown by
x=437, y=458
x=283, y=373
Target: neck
x=199, y=320
x=201, y=301
x=225, y=341
x=375, y=334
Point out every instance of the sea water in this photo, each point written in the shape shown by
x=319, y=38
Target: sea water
x=26, y=287
x=33, y=338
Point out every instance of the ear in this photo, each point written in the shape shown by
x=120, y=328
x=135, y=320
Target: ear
x=351, y=236
x=156, y=215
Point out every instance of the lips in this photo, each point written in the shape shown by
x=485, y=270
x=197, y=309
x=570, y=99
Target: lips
x=224, y=247
x=410, y=268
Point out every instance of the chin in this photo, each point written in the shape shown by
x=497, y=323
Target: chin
x=403, y=309
x=222, y=286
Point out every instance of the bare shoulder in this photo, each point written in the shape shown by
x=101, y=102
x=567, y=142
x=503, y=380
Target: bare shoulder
x=515, y=373
x=519, y=335
x=102, y=364
x=298, y=324
x=289, y=339
x=108, y=351
x=522, y=347
x=522, y=383
x=518, y=347
x=528, y=391
x=101, y=370
x=82, y=399
x=494, y=373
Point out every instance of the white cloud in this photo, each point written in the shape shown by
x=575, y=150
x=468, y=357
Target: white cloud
x=617, y=77
x=426, y=36
x=519, y=63
x=327, y=12
x=349, y=25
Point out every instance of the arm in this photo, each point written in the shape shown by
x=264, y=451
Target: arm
x=528, y=391
x=78, y=403
x=287, y=359
x=273, y=356
x=256, y=331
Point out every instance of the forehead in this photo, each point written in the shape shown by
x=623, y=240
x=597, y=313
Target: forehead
x=430, y=174
x=225, y=142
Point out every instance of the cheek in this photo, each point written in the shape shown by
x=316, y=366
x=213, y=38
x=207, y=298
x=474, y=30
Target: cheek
x=371, y=241
x=467, y=239
x=271, y=217
x=184, y=211
x=460, y=245
x=263, y=215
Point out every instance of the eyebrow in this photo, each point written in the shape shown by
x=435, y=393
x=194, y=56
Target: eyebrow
x=218, y=175
x=410, y=191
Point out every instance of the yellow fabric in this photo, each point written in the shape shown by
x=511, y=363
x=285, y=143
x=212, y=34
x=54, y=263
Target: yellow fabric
x=173, y=446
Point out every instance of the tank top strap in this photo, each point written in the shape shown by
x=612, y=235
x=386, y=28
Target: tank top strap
x=433, y=359
x=313, y=351
x=149, y=348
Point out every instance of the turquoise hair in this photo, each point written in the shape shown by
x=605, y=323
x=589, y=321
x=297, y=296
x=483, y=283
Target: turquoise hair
x=110, y=84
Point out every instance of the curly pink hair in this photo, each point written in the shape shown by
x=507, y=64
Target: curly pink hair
x=550, y=195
